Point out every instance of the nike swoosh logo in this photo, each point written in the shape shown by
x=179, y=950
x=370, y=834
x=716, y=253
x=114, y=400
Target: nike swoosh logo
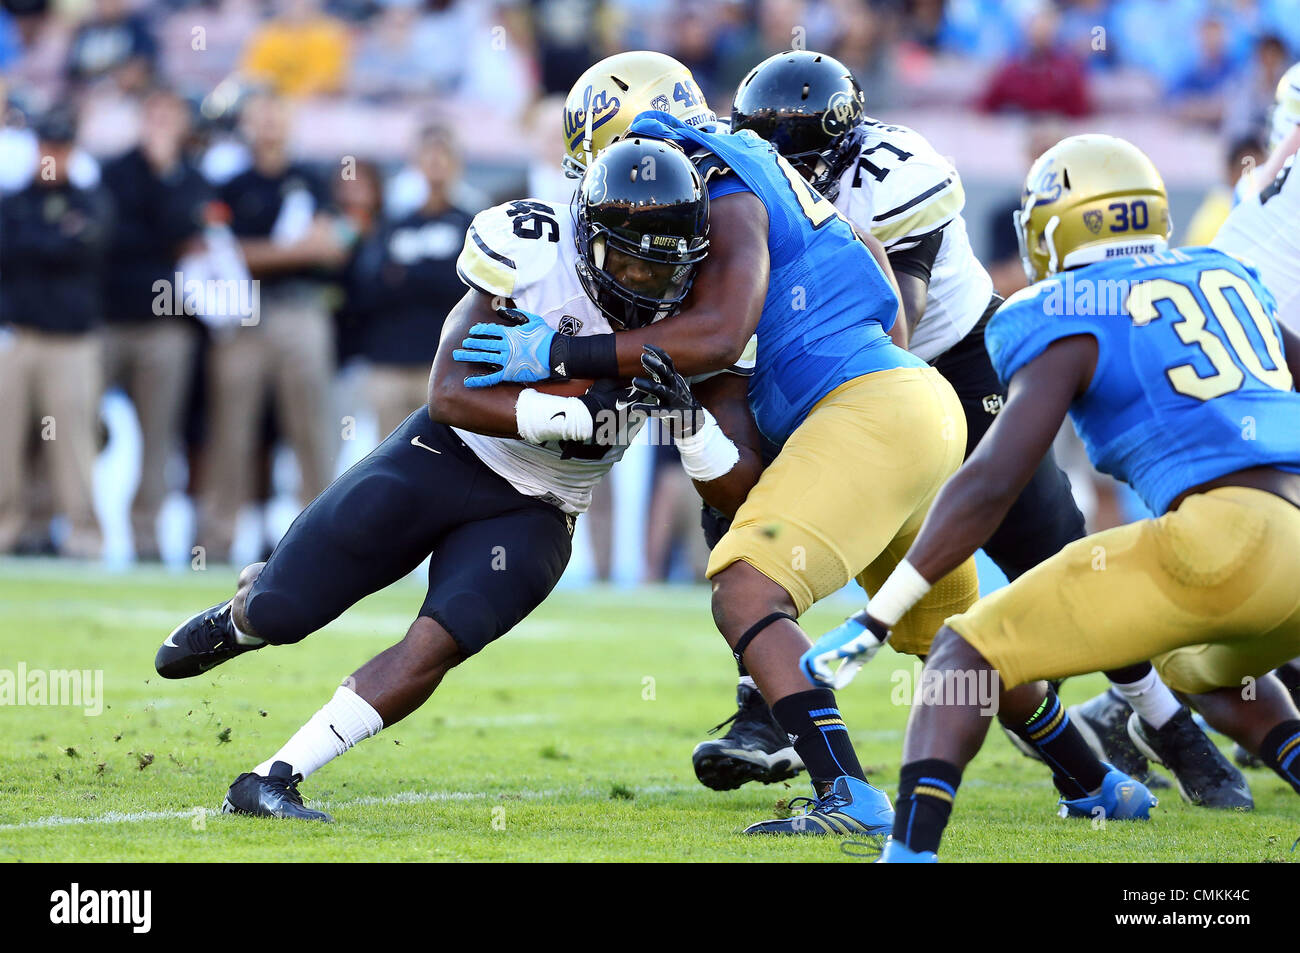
x=561, y=414
x=415, y=442
x=171, y=641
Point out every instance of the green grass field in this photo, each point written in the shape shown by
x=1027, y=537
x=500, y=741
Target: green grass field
x=568, y=740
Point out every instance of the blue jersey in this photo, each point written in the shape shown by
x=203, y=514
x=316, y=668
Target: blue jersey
x=828, y=304
x=1191, y=383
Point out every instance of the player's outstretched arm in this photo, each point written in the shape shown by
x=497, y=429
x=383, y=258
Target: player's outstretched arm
x=974, y=501
x=726, y=397
x=709, y=335
x=485, y=410
x=971, y=505
x=720, y=316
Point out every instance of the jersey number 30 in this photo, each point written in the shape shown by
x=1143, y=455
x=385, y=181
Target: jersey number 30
x=1191, y=329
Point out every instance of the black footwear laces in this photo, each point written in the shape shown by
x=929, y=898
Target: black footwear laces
x=750, y=703
x=287, y=787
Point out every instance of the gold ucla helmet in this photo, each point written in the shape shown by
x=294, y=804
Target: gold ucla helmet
x=1089, y=198
x=606, y=98
x=1286, y=107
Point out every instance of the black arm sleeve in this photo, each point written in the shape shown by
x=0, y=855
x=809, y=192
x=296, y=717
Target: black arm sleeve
x=918, y=260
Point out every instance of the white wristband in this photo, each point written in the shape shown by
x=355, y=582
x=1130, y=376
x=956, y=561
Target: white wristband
x=708, y=453
x=542, y=417
x=904, y=588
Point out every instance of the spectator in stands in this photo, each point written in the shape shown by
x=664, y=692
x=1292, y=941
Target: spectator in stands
x=10, y=41
x=159, y=196
x=1214, y=208
x=114, y=43
x=1086, y=29
x=863, y=44
x=389, y=61
x=672, y=534
x=404, y=283
x=278, y=212
x=1249, y=96
x=53, y=235
x=1155, y=36
x=695, y=45
x=1197, y=94
x=302, y=52
x=1045, y=78
x=567, y=37
x=1003, y=257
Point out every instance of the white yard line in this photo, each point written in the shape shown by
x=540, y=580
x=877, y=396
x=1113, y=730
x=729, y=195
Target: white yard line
x=406, y=797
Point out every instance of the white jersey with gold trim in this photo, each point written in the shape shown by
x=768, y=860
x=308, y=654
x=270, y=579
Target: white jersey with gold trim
x=901, y=190
x=524, y=251
x=1264, y=232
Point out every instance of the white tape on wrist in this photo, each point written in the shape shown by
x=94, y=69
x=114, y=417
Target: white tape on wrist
x=542, y=417
x=708, y=453
x=904, y=588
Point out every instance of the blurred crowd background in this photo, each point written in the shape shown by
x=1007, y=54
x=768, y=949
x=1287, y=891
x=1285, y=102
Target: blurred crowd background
x=334, y=151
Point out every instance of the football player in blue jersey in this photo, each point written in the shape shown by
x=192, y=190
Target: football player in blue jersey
x=888, y=181
x=831, y=388
x=1180, y=381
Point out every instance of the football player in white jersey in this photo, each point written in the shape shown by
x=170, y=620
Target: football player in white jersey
x=891, y=183
x=487, y=482
x=1261, y=230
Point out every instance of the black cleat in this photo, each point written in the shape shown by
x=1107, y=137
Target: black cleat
x=275, y=795
x=201, y=642
x=1204, y=776
x=756, y=748
x=1245, y=759
x=1103, y=722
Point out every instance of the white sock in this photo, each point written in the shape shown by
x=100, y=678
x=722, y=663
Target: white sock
x=242, y=637
x=748, y=680
x=346, y=719
x=1151, y=699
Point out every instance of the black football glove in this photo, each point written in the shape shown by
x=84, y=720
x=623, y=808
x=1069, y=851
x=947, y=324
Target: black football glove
x=666, y=394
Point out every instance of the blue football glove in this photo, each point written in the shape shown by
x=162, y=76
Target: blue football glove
x=522, y=351
x=855, y=640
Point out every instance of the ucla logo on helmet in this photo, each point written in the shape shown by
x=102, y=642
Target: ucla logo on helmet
x=1044, y=189
x=1092, y=218
x=601, y=106
x=842, y=111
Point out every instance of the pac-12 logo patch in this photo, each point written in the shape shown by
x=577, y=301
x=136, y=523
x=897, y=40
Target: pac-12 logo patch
x=569, y=325
x=660, y=103
x=1092, y=218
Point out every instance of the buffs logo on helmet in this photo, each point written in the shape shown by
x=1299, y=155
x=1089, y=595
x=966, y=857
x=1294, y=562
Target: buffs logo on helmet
x=606, y=98
x=1089, y=198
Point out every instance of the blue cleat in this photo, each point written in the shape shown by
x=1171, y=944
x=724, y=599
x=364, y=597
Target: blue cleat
x=1120, y=799
x=896, y=852
x=850, y=807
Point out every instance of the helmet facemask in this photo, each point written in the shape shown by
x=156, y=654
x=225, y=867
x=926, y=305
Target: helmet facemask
x=635, y=283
